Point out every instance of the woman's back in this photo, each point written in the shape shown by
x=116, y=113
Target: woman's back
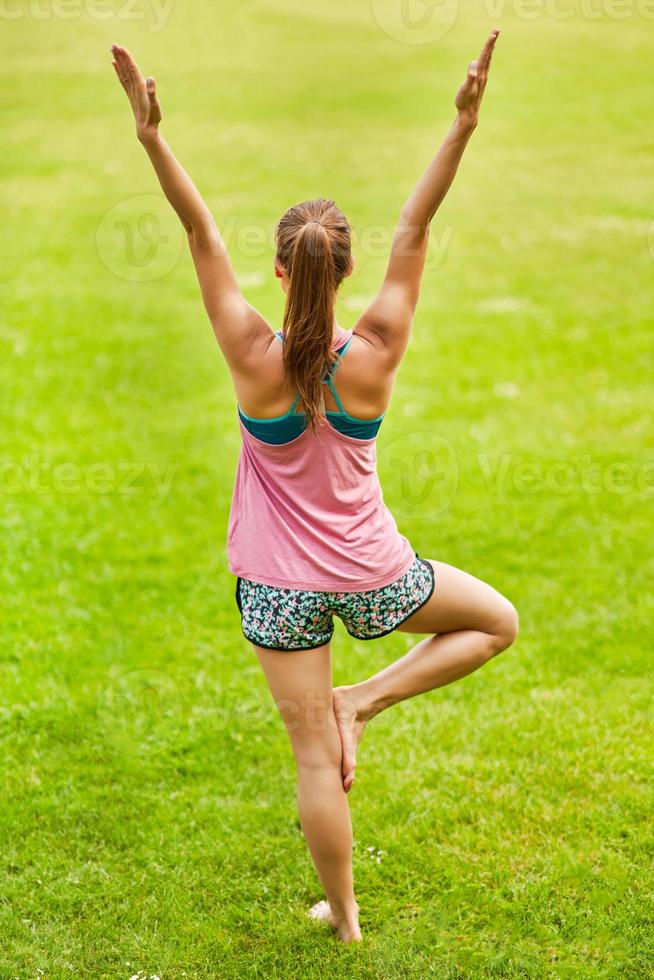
x=365, y=376
x=308, y=511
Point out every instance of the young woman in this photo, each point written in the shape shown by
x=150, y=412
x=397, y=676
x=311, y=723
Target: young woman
x=309, y=534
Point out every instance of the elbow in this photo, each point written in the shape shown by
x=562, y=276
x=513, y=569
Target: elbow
x=204, y=236
x=413, y=223
x=407, y=215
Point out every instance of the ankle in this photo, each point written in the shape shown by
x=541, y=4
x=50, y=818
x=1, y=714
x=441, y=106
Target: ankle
x=346, y=915
x=367, y=701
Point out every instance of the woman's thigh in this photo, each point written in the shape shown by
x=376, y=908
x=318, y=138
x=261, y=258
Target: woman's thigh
x=301, y=685
x=461, y=601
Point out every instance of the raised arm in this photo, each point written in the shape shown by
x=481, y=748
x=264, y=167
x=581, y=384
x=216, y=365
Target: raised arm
x=386, y=324
x=241, y=332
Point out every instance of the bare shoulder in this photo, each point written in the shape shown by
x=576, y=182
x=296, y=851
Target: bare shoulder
x=385, y=327
x=366, y=376
x=382, y=337
x=257, y=370
x=244, y=336
x=364, y=380
x=367, y=349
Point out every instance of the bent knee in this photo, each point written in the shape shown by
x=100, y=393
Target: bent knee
x=506, y=626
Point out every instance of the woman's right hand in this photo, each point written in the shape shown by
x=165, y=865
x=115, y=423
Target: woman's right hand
x=469, y=96
x=142, y=93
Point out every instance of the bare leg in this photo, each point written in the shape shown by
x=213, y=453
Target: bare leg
x=301, y=684
x=474, y=623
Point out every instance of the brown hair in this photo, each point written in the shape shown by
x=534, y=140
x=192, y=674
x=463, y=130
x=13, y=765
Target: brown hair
x=314, y=248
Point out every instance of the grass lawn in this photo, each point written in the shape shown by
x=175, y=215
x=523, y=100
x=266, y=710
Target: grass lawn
x=147, y=818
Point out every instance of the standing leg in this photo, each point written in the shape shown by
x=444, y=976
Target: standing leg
x=301, y=684
x=473, y=623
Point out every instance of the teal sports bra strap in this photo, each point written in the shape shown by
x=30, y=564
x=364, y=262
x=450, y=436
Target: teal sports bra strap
x=330, y=378
x=342, y=352
x=335, y=395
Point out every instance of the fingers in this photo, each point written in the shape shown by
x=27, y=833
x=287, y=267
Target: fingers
x=479, y=67
x=121, y=67
x=487, y=54
x=119, y=61
x=471, y=92
x=122, y=78
x=128, y=70
x=155, y=107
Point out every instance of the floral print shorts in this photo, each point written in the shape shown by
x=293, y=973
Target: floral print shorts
x=294, y=619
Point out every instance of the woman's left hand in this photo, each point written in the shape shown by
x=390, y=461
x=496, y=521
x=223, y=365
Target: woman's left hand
x=469, y=96
x=142, y=93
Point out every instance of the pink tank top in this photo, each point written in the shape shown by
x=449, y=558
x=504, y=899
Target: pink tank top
x=310, y=514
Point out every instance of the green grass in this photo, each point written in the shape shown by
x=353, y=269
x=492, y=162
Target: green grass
x=147, y=818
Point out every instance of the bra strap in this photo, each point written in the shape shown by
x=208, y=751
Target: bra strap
x=330, y=377
x=329, y=380
x=335, y=395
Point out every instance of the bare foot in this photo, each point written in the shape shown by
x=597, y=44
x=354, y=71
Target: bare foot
x=350, y=726
x=347, y=932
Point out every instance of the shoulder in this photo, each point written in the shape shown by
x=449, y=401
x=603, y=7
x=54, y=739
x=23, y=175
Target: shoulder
x=245, y=338
x=257, y=369
x=375, y=348
x=385, y=326
x=366, y=374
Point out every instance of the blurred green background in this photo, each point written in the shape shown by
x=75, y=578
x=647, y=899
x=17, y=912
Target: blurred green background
x=503, y=826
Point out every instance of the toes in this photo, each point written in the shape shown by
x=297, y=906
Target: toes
x=347, y=768
x=348, y=755
x=320, y=911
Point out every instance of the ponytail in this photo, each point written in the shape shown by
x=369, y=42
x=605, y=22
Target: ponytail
x=314, y=249
x=309, y=319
